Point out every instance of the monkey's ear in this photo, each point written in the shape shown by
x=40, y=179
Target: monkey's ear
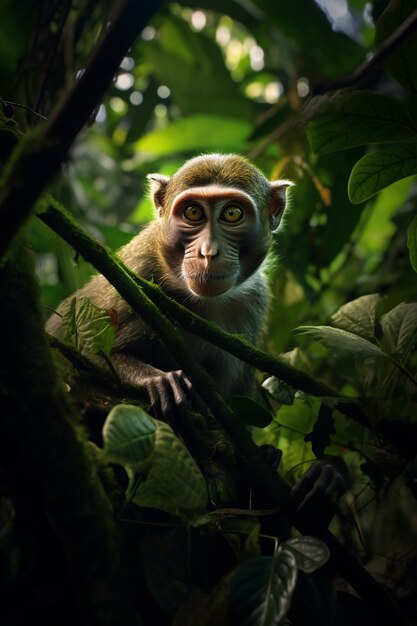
x=279, y=200
x=158, y=183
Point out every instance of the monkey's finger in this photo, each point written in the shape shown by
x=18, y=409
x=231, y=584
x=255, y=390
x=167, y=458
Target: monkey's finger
x=178, y=393
x=198, y=404
x=336, y=487
x=305, y=484
x=185, y=381
x=154, y=398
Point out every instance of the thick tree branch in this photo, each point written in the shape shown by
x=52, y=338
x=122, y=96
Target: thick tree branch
x=38, y=158
x=44, y=461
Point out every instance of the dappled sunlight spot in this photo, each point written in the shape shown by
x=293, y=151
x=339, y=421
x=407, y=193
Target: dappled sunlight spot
x=136, y=98
x=163, y=91
x=148, y=33
x=272, y=92
x=256, y=55
x=127, y=64
x=303, y=87
x=223, y=35
x=101, y=114
x=198, y=20
x=124, y=81
x=118, y=105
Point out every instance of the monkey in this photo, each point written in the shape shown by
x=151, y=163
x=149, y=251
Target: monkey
x=206, y=248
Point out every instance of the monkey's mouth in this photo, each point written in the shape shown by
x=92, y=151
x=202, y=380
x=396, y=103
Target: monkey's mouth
x=210, y=284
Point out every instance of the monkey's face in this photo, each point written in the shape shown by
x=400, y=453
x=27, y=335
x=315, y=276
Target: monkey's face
x=215, y=238
x=216, y=215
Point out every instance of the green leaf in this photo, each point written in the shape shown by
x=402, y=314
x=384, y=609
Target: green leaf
x=400, y=328
x=358, y=316
x=379, y=169
x=310, y=552
x=174, y=483
x=412, y=242
x=89, y=329
x=262, y=589
x=250, y=412
x=129, y=436
x=196, y=133
x=279, y=390
x=401, y=62
x=356, y=118
x=342, y=341
x=322, y=429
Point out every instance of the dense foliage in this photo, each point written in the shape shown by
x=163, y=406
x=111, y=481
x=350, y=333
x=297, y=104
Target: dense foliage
x=294, y=86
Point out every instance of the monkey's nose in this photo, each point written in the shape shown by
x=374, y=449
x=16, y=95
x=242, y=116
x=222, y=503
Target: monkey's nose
x=209, y=250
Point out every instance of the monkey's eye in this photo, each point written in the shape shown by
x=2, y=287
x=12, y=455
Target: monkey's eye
x=232, y=214
x=194, y=213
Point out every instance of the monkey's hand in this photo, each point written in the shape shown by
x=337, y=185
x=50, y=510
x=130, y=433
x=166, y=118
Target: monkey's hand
x=169, y=394
x=313, y=500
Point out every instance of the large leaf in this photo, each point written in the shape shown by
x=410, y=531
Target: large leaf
x=353, y=118
x=401, y=63
x=262, y=590
x=129, y=436
x=358, y=316
x=342, y=341
x=310, y=552
x=196, y=133
x=400, y=328
x=379, y=169
x=412, y=242
x=174, y=483
x=88, y=328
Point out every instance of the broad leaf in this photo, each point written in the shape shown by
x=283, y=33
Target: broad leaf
x=358, y=316
x=412, y=242
x=310, y=552
x=342, y=341
x=129, y=436
x=174, y=483
x=400, y=328
x=250, y=412
x=401, y=62
x=89, y=329
x=356, y=118
x=196, y=133
x=262, y=590
x=382, y=168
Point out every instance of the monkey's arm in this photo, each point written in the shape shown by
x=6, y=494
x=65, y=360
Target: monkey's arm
x=168, y=392
x=313, y=499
